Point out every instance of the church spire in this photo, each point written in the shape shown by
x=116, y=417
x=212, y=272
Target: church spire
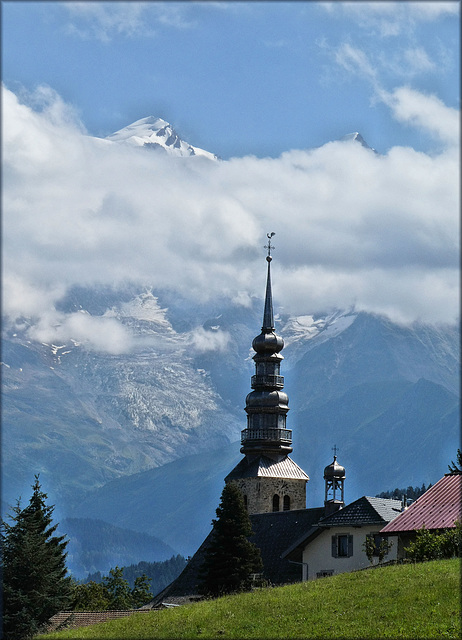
x=267, y=404
x=268, y=318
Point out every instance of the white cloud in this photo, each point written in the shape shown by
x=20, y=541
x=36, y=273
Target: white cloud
x=105, y=20
x=97, y=333
x=388, y=19
x=352, y=227
x=427, y=112
x=203, y=340
x=108, y=20
x=354, y=60
x=417, y=60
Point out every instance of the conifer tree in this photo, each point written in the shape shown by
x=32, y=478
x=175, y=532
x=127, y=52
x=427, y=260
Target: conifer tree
x=35, y=585
x=455, y=468
x=231, y=558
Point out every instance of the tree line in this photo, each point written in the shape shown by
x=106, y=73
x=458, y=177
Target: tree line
x=410, y=492
x=160, y=573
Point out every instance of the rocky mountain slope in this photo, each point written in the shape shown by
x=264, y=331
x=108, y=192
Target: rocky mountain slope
x=386, y=395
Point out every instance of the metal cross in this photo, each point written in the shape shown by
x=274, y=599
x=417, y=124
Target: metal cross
x=335, y=449
x=269, y=246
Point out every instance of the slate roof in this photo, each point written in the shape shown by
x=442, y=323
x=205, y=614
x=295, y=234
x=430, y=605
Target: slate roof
x=273, y=533
x=438, y=508
x=365, y=510
x=262, y=466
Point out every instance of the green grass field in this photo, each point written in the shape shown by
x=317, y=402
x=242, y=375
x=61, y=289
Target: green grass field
x=401, y=601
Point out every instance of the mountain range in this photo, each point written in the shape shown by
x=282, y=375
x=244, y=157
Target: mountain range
x=142, y=440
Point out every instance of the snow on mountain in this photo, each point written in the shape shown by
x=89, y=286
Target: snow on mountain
x=301, y=328
x=145, y=306
x=157, y=134
x=358, y=138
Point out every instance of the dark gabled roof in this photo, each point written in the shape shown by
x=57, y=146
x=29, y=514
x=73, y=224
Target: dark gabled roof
x=365, y=510
x=262, y=466
x=438, y=508
x=273, y=533
x=187, y=583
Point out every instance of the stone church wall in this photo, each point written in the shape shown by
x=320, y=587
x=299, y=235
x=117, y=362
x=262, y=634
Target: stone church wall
x=261, y=491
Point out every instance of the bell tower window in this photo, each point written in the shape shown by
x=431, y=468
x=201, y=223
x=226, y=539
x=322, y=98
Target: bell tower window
x=275, y=502
x=286, y=503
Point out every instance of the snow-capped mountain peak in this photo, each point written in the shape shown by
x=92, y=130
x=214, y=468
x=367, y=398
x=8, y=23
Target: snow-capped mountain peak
x=358, y=138
x=157, y=134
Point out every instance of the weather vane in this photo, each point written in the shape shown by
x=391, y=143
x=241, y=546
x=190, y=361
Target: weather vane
x=269, y=246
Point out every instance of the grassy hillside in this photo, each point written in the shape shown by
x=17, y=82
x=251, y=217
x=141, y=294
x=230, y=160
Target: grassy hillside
x=407, y=601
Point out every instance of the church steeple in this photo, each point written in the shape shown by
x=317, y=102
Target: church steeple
x=268, y=318
x=267, y=404
x=268, y=478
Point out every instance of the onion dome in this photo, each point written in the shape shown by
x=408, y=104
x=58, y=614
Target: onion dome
x=267, y=399
x=334, y=470
x=267, y=343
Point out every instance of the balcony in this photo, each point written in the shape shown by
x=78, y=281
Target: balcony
x=273, y=435
x=275, y=382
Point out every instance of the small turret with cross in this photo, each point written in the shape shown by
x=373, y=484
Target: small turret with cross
x=334, y=477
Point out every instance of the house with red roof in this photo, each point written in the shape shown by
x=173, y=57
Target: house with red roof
x=437, y=509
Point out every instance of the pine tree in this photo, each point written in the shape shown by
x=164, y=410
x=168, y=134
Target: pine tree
x=231, y=558
x=35, y=585
x=456, y=468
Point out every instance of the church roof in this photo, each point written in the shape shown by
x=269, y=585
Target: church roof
x=264, y=467
x=272, y=533
x=438, y=508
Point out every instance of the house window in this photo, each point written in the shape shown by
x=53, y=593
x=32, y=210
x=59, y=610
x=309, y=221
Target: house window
x=275, y=502
x=286, y=503
x=342, y=545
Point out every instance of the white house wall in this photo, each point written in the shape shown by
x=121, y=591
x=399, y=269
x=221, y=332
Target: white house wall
x=317, y=555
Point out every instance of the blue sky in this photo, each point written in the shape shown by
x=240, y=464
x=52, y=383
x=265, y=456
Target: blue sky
x=270, y=87
x=238, y=78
